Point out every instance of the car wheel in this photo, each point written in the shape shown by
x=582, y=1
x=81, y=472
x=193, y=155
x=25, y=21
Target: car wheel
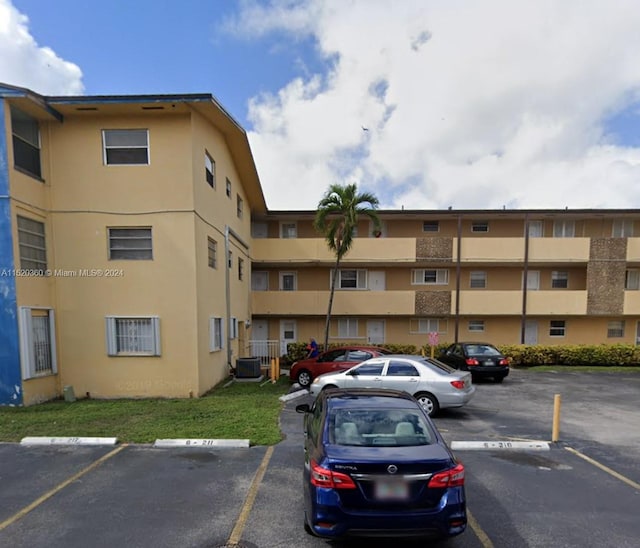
x=304, y=378
x=429, y=403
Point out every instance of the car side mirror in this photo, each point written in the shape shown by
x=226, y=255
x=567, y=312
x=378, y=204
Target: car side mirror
x=303, y=408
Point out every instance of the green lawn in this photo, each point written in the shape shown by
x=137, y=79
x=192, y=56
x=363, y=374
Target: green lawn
x=244, y=410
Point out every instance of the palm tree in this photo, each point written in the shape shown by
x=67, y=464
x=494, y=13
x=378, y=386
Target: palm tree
x=336, y=219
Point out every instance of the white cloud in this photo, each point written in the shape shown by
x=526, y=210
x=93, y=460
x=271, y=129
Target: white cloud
x=468, y=104
x=26, y=64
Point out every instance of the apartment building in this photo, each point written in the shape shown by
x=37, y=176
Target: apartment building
x=124, y=244
x=509, y=277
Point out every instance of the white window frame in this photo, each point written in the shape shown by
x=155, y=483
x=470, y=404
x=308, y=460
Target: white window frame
x=479, y=226
x=563, y=228
x=209, y=170
x=111, y=323
x=283, y=275
x=216, y=334
x=475, y=326
x=37, y=264
x=420, y=277
x=536, y=229
x=111, y=237
x=263, y=277
x=105, y=134
x=21, y=138
x=240, y=268
x=427, y=325
x=28, y=354
x=632, y=279
x=532, y=283
x=360, y=279
x=288, y=230
x=212, y=253
x=561, y=330
x=228, y=187
x=615, y=329
x=347, y=328
x=622, y=228
x=478, y=279
x=558, y=276
x=233, y=328
x=239, y=206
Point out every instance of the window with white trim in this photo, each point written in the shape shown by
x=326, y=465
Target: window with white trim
x=557, y=328
x=209, y=170
x=431, y=226
x=240, y=268
x=347, y=328
x=478, y=279
x=25, y=131
x=233, y=328
x=212, y=253
x=288, y=281
x=559, y=279
x=230, y=263
x=622, y=228
x=436, y=276
x=536, y=229
x=427, y=325
x=476, y=326
x=228, y=187
x=133, y=336
x=131, y=243
x=288, y=230
x=259, y=280
x=125, y=147
x=479, y=226
x=564, y=229
x=32, y=245
x=632, y=279
x=352, y=279
x=533, y=280
x=239, y=207
x=615, y=329
x=37, y=342
x=216, y=334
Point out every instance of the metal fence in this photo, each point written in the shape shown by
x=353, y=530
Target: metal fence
x=265, y=350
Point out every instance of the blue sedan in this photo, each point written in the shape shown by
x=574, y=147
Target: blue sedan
x=375, y=465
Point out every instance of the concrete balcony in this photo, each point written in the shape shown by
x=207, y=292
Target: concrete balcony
x=345, y=303
x=315, y=251
x=511, y=250
x=631, y=303
x=509, y=303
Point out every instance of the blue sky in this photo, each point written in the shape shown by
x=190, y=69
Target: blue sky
x=467, y=104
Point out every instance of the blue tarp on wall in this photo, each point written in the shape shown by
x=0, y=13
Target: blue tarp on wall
x=10, y=376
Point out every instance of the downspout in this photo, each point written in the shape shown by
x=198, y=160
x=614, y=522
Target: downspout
x=523, y=320
x=458, y=270
x=228, y=231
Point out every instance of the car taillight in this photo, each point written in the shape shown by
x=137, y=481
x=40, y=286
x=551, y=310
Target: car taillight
x=449, y=478
x=458, y=384
x=472, y=361
x=321, y=477
x=504, y=361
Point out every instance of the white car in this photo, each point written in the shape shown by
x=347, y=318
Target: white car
x=434, y=384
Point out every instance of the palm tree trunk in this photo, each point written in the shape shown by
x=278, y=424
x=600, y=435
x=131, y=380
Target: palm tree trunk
x=331, y=292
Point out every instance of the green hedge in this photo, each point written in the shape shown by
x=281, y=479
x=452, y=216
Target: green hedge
x=520, y=354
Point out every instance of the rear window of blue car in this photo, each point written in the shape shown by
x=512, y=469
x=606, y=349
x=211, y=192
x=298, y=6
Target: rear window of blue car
x=378, y=427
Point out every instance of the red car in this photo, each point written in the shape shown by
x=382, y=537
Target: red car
x=337, y=359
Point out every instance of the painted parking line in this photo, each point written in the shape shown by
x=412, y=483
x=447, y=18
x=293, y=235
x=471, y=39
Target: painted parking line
x=604, y=468
x=475, y=526
x=58, y=488
x=493, y=445
x=238, y=528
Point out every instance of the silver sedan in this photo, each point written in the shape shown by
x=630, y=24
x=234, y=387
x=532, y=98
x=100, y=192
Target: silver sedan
x=434, y=384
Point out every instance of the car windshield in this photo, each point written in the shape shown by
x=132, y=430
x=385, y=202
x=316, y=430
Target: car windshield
x=378, y=427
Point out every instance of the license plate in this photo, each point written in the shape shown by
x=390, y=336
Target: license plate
x=489, y=362
x=391, y=490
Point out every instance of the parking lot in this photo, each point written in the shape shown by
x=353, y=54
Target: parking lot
x=583, y=491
